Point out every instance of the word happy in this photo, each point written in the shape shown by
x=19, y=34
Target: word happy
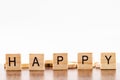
x=60, y=61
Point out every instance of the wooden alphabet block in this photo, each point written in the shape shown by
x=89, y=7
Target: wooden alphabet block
x=36, y=62
x=60, y=61
x=84, y=60
x=108, y=60
x=13, y=62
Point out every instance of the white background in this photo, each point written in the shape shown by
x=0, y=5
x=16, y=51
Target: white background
x=48, y=26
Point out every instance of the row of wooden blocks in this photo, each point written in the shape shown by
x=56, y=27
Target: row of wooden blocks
x=60, y=61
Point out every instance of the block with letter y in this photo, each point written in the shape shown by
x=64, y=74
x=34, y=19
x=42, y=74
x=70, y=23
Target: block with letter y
x=13, y=62
x=108, y=60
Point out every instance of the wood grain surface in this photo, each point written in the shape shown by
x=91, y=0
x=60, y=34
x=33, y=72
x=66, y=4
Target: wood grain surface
x=70, y=74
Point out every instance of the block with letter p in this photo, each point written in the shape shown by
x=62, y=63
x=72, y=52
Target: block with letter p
x=13, y=62
x=85, y=60
x=60, y=61
x=108, y=60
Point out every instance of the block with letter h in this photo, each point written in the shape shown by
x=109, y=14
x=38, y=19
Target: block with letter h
x=13, y=62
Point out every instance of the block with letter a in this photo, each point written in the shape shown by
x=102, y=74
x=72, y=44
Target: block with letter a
x=13, y=62
x=85, y=60
x=108, y=60
x=36, y=62
x=60, y=61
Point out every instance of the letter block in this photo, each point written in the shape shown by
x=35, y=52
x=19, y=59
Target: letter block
x=60, y=61
x=84, y=60
x=13, y=62
x=108, y=60
x=36, y=62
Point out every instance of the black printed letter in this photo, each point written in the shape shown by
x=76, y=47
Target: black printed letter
x=35, y=62
x=59, y=58
x=84, y=58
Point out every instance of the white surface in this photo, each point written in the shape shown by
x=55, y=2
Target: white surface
x=48, y=26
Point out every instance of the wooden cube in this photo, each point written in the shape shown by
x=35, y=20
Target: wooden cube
x=96, y=65
x=48, y=63
x=25, y=66
x=108, y=60
x=60, y=61
x=72, y=65
x=84, y=60
x=36, y=62
x=13, y=62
